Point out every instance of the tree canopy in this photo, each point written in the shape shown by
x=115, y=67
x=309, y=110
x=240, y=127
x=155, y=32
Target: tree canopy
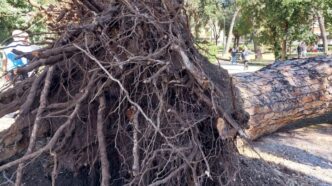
x=20, y=14
x=273, y=23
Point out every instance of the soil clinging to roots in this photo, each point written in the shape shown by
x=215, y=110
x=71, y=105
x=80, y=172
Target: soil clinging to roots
x=123, y=89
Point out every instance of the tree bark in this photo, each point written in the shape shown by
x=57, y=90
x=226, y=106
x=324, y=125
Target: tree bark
x=197, y=27
x=257, y=47
x=229, y=38
x=237, y=43
x=284, y=49
x=215, y=32
x=321, y=22
x=284, y=43
x=285, y=92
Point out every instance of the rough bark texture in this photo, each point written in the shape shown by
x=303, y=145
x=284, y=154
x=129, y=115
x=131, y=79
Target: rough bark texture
x=321, y=22
x=257, y=47
x=285, y=92
x=229, y=38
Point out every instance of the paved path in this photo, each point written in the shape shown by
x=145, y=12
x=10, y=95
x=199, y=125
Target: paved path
x=239, y=68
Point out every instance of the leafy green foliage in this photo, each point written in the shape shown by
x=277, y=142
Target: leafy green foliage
x=209, y=50
x=205, y=13
x=13, y=14
x=19, y=14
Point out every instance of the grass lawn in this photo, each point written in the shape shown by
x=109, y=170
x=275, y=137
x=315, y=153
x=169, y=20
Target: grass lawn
x=210, y=50
x=213, y=53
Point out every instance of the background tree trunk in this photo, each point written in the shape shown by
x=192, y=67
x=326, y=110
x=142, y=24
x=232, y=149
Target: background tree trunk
x=236, y=41
x=229, y=38
x=285, y=92
x=197, y=27
x=284, y=49
x=284, y=43
x=321, y=22
x=257, y=47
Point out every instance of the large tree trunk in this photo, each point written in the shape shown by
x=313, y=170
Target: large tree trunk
x=321, y=22
x=229, y=38
x=285, y=92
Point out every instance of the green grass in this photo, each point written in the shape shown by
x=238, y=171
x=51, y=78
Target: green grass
x=210, y=50
x=309, y=54
x=213, y=53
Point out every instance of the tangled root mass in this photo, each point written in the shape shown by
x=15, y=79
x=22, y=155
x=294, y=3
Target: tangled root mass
x=123, y=89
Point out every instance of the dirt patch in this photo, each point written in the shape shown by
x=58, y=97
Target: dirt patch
x=258, y=172
x=253, y=172
x=38, y=173
x=303, y=147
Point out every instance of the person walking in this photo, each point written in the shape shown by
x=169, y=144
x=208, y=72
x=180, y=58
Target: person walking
x=233, y=55
x=245, y=57
x=10, y=62
x=304, y=50
x=299, y=50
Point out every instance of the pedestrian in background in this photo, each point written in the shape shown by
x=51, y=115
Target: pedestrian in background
x=233, y=55
x=11, y=61
x=245, y=57
x=304, y=50
x=299, y=50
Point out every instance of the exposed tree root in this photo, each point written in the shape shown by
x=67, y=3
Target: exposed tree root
x=125, y=75
x=101, y=143
x=41, y=109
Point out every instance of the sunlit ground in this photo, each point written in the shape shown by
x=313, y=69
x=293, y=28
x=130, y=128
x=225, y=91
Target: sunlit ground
x=306, y=150
x=5, y=122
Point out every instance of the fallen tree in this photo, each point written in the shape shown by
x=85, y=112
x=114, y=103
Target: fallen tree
x=285, y=92
x=123, y=89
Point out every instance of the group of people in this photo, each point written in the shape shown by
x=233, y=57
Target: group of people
x=243, y=52
x=302, y=50
x=10, y=60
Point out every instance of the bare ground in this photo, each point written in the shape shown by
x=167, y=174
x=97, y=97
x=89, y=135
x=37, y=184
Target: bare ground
x=303, y=147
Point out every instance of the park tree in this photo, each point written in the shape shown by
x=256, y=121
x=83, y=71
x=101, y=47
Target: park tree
x=206, y=13
x=13, y=14
x=20, y=14
x=322, y=9
x=194, y=14
x=216, y=18
x=250, y=23
x=246, y=24
x=236, y=9
x=280, y=21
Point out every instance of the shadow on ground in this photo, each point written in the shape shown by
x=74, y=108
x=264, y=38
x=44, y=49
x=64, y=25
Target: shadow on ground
x=303, y=146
